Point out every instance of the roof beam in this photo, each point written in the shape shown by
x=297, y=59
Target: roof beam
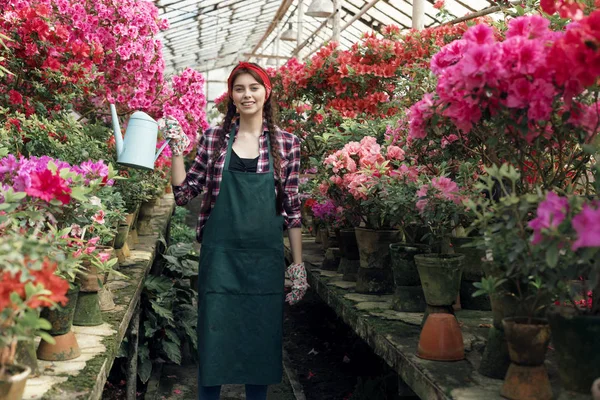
x=285, y=5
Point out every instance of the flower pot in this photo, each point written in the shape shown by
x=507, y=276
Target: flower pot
x=65, y=348
x=528, y=341
x=121, y=236
x=408, y=294
x=472, y=272
x=106, y=299
x=61, y=318
x=375, y=272
x=349, y=257
x=25, y=355
x=89, y=280
x=440, y=276
x=441, y=339
x=573, y=336
x=12, y=385
x=87, y=312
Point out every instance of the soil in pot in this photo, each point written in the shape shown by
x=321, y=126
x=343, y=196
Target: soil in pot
x=12, y=384
x=573, y=335
x=528, y=340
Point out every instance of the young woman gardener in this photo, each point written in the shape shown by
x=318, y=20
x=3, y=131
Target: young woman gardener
x=249, y=172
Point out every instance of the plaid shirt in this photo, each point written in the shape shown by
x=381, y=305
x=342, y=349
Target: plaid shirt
x=197, y=178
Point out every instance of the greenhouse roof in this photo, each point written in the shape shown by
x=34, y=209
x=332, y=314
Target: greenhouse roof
x=212, y=34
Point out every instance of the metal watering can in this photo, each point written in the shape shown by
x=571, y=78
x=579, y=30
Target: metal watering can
x=137, y=149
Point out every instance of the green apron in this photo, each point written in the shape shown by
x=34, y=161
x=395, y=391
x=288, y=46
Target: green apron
x=241, y=282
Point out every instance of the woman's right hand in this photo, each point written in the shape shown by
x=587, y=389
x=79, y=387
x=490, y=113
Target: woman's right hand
x=171, y=129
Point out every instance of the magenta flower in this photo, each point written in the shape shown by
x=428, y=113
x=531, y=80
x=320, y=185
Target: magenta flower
x=587, y=226
x=47, y=186
x=550, y=213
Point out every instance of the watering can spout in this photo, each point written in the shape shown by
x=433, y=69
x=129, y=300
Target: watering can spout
x=137, y=148
x=117, y=130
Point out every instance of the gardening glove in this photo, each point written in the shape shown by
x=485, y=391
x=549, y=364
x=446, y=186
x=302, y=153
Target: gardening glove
x=171, y=129
x=297, y=274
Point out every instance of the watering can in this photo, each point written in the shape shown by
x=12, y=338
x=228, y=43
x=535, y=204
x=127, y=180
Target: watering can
x=136, y=150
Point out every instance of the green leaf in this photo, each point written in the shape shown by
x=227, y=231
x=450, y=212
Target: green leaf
x=47, y=337
x=161, y=311
x=158, y=284
x=172, y=351
x=552, y=256
x=171, y=334
x=145, y=369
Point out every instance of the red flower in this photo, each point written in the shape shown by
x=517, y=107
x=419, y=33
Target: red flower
x=439, y=4
x=15, y=97
x=9, y=284
x=47, y=186
x=57, y=285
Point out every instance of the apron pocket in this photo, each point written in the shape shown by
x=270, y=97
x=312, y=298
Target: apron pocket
x=241, y=271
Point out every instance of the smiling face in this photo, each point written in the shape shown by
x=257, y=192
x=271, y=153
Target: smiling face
x=248, y=95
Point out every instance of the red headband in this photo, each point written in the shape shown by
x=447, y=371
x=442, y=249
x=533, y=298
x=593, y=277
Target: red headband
x=263, y=75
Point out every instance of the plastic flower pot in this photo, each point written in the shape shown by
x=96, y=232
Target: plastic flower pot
x=527, y=378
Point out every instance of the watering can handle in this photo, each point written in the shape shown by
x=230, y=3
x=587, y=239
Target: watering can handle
x=161, y=149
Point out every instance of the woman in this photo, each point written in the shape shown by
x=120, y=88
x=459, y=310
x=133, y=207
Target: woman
x=248, y=170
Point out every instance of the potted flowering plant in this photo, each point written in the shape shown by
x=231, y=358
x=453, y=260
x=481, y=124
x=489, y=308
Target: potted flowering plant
x=27, y=283
x=362, y=172
x=518, y=281
x=565, y=232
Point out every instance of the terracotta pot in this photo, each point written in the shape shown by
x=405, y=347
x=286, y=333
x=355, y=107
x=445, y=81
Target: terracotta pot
x=65, y=348
x=573, y=335
x=440, y=276
x=89, y=280
x=61, y=318
x=528, y=341
x=12, y=386
x=441, y=339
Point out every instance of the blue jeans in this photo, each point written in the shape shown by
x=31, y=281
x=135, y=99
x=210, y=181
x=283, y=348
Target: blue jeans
x=253, y=392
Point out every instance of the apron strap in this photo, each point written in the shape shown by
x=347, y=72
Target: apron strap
x=230, y=147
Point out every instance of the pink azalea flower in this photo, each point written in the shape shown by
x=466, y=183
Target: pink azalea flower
x=447, y=186
x=587, y=226
x=395, y=153
x=550, y=213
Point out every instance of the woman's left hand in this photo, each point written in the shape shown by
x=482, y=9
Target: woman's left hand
x=297, y=274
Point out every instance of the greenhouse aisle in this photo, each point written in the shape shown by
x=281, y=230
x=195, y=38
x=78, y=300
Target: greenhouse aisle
x=179, y=381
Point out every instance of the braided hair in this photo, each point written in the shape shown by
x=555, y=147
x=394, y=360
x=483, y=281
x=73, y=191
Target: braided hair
x=268, y=119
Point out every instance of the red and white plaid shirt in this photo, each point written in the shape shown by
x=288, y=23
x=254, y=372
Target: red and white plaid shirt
x=197, y=178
